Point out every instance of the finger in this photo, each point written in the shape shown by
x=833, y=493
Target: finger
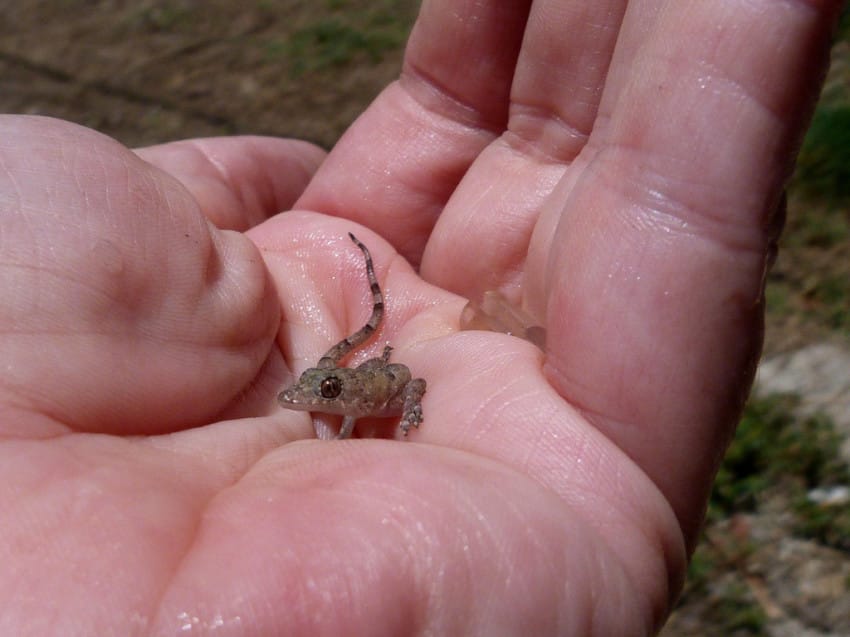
x=658, y=255
x=554, y=99
x=239, y=182
x=396, y=167
x=143, y=316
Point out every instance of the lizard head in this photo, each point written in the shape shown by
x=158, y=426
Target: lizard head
x=337, y=390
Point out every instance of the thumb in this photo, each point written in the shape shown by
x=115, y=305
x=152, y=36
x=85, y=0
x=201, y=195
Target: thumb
x=145, y=317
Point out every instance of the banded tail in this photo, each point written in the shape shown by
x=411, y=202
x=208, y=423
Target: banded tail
x=338, y=351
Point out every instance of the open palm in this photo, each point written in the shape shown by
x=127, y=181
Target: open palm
x=611, y=166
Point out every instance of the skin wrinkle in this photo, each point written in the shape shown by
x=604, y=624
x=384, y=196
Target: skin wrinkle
x=157, y=599
x=533, y=127
x=466, y=25
x=437, y=100
x=226, y=176
x=219, y=167
x=649, y=194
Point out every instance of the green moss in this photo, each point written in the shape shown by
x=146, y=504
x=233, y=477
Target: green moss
x=700, y=569
x=832, y=294
x=843, y=32
x=817, y=227
x=829, y=525
x=823, y=166
x=747, y=469
x=742, y=618
x=775, y=450
x=778, y=298
x=740, y=614
x=343, y=36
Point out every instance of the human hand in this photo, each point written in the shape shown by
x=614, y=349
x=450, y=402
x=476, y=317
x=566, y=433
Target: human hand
x=556, y=494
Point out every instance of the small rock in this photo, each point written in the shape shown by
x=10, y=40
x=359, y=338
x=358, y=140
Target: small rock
x=820, y=376
x=830, y=496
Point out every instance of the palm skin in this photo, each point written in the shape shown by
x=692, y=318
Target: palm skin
x=150, y=482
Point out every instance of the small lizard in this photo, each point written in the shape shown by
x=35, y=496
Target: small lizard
x=375, y=388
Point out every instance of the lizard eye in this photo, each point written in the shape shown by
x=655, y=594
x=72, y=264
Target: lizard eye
x=331, y=387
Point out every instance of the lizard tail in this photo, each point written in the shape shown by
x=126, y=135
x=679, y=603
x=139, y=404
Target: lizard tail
x=338, y=351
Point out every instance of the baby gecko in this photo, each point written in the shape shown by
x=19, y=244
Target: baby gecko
x=375, y=388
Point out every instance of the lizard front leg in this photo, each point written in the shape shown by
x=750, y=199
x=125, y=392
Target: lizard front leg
x=411, y=414
x=347, y=428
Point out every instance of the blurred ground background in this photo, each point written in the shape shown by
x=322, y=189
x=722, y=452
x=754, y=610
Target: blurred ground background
x=775, y=558
x=152, y=71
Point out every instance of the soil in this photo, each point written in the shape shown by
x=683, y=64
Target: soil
x=148, y=72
